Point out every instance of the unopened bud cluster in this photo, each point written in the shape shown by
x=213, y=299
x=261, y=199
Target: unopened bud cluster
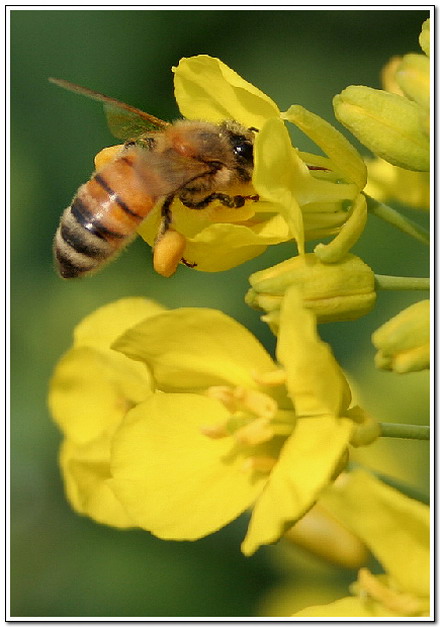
x=394, y=126
x=333, y=291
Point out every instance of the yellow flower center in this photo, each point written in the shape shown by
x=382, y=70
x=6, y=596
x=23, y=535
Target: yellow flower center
x=256, y=423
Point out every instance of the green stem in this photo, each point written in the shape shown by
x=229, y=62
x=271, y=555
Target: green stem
x=408, y=432
x=396, y=219
x=384, y=282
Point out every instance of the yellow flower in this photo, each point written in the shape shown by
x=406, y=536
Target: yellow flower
x=228, y=428
x=403, y=342
x=396, y=529
x=296, y=201
x=393, y=124
x=91, y=390
x=345, y=165
x=336, y=291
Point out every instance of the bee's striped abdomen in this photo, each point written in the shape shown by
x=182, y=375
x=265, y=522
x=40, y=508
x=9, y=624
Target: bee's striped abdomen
x=102, y=218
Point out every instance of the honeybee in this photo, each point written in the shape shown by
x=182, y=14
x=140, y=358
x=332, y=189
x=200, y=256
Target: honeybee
x=159, y=161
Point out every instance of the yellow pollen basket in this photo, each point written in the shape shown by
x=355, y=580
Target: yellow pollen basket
x=107, y=155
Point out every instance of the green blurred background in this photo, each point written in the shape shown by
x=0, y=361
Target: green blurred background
x=61, y=564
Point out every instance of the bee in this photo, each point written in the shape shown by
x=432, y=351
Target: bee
x=159, y=161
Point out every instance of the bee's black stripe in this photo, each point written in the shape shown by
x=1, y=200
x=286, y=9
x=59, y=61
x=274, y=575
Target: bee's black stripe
x=68, y=269
x=99, y=179
x=78, y=242
x=86, y=219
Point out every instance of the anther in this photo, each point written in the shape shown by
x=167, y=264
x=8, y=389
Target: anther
x=259, y=463
x=215, y=432
x=256, y=432
x=272, y=378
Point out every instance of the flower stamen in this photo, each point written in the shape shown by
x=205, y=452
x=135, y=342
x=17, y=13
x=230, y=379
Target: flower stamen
x=272, y=378
x=215, y=432
x=242, y=399
x=256, y=432
x=403, y=604
x=225, y=395
x=256, y=402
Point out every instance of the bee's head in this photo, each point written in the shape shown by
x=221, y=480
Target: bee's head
x=241, y=141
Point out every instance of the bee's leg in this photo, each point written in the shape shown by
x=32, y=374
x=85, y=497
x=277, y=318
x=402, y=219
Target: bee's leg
x=234, y=202
x=188, y=264
x=166, y=217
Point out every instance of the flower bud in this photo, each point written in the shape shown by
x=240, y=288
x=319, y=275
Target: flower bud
x=387, y=182
x=388, y=76
x=413, y=77
x=366, y=429
x=337, y=291
x=424, y=37
x=403, y=341
x=388, y=124
x=322, y=534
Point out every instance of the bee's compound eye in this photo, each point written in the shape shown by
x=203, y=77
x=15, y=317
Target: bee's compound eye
x=244, y=150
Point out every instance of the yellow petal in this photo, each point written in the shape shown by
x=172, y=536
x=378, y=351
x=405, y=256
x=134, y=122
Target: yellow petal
x=102, y=327
x=86, y=471
x=347, y=236
x=223, y=246
x=276, y=166
x=305, y=466
x=324, y=219
x=315, y=381
x=393, y=526
x=92, y=390
x=173, y=480
x=344, y=157
x=220, y=239
x=207, y=89
x=194, y=348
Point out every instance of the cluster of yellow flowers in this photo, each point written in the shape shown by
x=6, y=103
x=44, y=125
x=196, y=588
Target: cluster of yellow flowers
x=178, y=420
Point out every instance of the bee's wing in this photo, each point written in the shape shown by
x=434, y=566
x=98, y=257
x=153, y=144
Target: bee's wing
x=124, y=121
x=127, y=123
